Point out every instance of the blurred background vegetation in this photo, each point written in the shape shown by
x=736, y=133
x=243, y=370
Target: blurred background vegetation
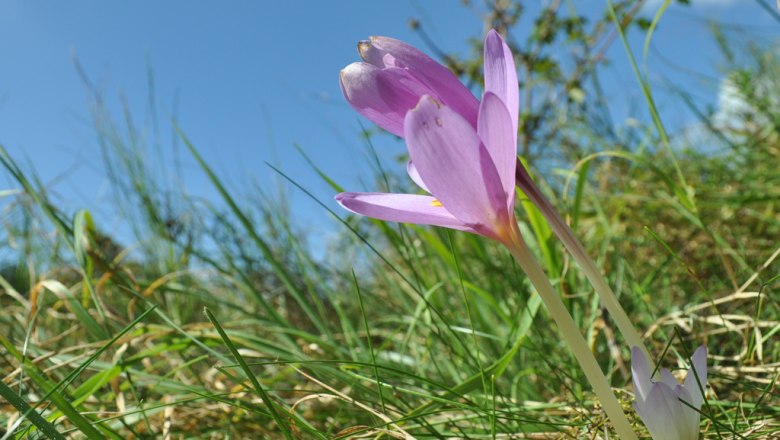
x=399, y=331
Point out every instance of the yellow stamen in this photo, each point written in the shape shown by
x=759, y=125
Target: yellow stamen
x=436, y=203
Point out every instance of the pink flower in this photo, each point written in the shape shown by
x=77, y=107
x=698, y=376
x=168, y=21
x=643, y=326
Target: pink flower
x=394, y=75
x=463, y=151
x=464, y=154
x=390, y=82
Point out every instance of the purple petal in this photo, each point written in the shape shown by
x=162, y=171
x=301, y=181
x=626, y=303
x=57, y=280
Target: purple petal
x=501, y=75
x=497, y=133
x=667, y=378
x=640, y=373
x=381, y=95
x=389, y=52
x=415, y=176
x=372, y=54
x=402, y=208
x=699, y=363
x=692, y=416
x=455, y=165
x=662, y=414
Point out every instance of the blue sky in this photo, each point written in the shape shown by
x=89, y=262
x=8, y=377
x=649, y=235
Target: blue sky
x=248, y=80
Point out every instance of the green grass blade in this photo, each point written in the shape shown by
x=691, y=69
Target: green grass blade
x=582, y=179
x=248, y=373
x=53, y=390
x=52, y=393
x=266, y=250
x=92, y=326
x=30, y=413
x=495, y=369
x=368, y=341
x=685, y=195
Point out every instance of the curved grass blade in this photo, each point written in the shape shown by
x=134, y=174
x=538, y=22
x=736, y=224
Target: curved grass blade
x=31, y=414
x=266, y=250
x=54, y=393
x=248, y=372
x=495, y=369
x=685, y=194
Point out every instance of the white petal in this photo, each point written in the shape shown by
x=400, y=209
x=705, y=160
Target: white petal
x=662, y=414
x=667, y=378
x=415, y=176
x=694, y=387
x=691, y=415
x=640, y=373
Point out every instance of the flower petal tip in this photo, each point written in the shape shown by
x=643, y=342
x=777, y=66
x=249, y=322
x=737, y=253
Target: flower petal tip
x=700, y=353
x=424, y=102
x=348, y=70
x=493, y=34
x=363, y=46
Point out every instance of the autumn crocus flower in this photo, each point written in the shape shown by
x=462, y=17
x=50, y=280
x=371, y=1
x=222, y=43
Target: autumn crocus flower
x=670, y=410
x=463, y=151
x=467, y=164
x=394, y=75
x=457, y=166
x=390, y=81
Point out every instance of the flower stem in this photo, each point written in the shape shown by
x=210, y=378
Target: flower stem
x=565, y=234
x=571, y=333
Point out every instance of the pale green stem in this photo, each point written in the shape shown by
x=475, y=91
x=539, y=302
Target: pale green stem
x=572, y=336
x=565, y=234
